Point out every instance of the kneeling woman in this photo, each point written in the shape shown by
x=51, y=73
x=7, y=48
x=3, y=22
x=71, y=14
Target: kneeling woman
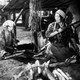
x=59, y=37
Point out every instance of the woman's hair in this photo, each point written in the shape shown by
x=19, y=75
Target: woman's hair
x=69, y=17
x=62, y=19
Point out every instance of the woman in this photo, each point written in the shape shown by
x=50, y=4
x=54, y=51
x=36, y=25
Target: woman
x=60, y=37
x=7, y=37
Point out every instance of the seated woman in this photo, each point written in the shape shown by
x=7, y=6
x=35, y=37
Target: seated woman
x=7, y=37
x=60, y=36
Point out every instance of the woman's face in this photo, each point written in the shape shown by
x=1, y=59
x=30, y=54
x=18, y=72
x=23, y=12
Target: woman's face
x=10, y=28
x=57, y=18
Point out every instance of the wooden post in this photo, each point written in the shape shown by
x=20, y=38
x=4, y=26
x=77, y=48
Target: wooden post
x=34, y=20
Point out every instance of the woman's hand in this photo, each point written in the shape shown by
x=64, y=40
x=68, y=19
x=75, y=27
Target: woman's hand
x=53, y=34
x=56, y=32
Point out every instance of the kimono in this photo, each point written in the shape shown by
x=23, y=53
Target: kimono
x=59, y=47
x=7, y=41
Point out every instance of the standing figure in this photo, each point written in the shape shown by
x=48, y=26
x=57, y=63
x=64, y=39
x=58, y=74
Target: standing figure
x=59, y=35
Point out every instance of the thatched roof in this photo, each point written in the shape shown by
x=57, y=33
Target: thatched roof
x=45, y=4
